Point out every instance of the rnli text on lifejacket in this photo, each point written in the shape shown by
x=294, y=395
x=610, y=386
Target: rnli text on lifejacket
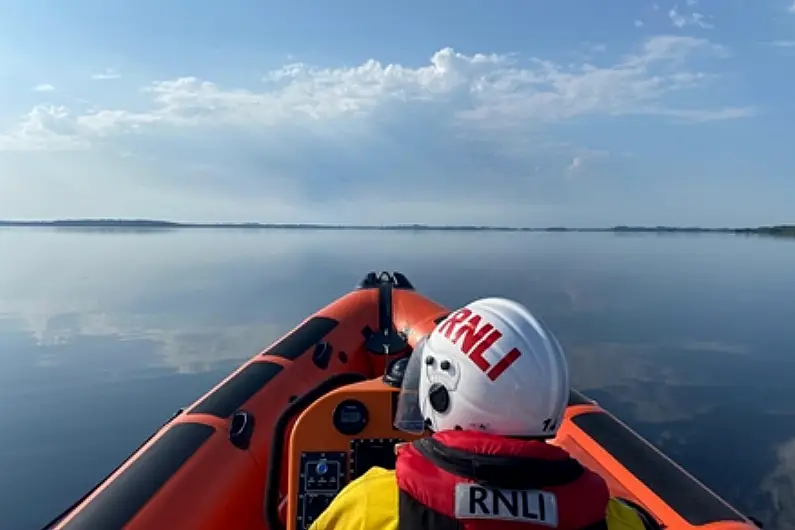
x=473, y=501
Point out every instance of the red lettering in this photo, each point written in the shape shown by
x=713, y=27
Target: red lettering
x=503, y=364
x=477, y=354
x=449, y=325
x=472, y=335
x=477, y=339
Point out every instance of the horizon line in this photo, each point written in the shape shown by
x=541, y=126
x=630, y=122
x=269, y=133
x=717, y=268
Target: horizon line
x=154, y=223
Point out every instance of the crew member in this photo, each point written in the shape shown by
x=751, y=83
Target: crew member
x=491, y=383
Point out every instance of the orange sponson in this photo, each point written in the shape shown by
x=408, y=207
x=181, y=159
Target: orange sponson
x=208, y=467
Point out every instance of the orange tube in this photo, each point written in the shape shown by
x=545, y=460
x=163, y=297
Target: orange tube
x=206, y=468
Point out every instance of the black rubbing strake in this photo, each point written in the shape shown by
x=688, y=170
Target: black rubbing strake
x=118, y=503
x=295, y=344
x=578, y=398
x=79, y=501
x=684, y=494
x=232, y=394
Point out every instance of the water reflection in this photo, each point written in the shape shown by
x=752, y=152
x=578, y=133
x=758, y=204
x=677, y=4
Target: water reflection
x=104, y=335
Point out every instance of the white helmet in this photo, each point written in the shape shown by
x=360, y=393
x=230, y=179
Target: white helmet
x=490, y=366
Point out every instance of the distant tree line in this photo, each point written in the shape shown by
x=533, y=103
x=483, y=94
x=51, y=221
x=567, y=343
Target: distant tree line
x=149, y=224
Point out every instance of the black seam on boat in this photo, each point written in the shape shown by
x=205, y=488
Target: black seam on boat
x=680, y=491
x=577, y=398
x=237, y=390
x=123, y=498
x=299, y=341
x=438, y=320
x=385, y=307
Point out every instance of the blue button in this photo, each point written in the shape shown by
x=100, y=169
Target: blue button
x=321, y=468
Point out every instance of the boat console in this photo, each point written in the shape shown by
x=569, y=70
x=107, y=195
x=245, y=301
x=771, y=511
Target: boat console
x=337, y=439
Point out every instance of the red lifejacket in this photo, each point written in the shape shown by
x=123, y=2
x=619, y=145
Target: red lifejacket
x=472, y=480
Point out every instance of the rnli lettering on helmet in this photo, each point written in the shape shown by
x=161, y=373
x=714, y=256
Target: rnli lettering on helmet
x=473, y=501
x=463, y=328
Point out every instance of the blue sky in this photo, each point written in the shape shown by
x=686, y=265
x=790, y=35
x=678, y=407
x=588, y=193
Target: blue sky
x=530, y=112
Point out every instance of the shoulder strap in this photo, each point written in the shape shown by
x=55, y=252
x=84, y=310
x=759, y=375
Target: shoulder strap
x=526, y=473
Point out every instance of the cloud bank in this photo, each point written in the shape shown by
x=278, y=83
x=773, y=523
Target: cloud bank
x=481, y=90
x=485, y=118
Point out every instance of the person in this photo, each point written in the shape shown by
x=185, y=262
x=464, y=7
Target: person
x=491, y=383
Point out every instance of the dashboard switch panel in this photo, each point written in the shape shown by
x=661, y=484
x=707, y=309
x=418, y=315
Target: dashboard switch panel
x=366, y=453
x=322, y=476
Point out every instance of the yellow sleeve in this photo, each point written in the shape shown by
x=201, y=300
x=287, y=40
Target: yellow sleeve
x=622, y=517
x=368, y=503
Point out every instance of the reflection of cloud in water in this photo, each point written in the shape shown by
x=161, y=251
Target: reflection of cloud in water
x=715, y=408
x=205, y=296
x=202, y=350
x=187, y=351
x=602, y=364
x=779, y=488
x=198, y=307
x=714, y=346
x=661, y=338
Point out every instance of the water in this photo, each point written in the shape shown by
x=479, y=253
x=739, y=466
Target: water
x=104, y=335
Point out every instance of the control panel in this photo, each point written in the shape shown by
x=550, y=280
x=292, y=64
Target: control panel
x=322, y=475
x=335, y=440
x=371, y=452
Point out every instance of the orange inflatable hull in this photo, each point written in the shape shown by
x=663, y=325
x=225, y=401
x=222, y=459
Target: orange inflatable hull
x=268, y=446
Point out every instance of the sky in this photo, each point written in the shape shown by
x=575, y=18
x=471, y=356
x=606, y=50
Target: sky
x=521, y=112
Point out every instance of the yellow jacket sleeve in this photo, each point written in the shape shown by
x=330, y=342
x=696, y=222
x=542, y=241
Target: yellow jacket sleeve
x=368, y=503
x=622, y=517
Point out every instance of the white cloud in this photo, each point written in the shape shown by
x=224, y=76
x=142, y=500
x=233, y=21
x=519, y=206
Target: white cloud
x=575, y=164
x=481, y=91
x=710, y=115
x=791, y=8
x=43, y=87
x=108, y=74
x=638, y=23
x=317, y=144
x=46, y=127
x=680, y=20
x=582, y=159
x=782, y=43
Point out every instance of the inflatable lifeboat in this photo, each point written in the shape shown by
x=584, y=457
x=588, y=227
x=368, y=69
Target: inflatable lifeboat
x=271, y=445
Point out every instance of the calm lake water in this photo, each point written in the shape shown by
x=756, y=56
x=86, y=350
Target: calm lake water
x=689, y=339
